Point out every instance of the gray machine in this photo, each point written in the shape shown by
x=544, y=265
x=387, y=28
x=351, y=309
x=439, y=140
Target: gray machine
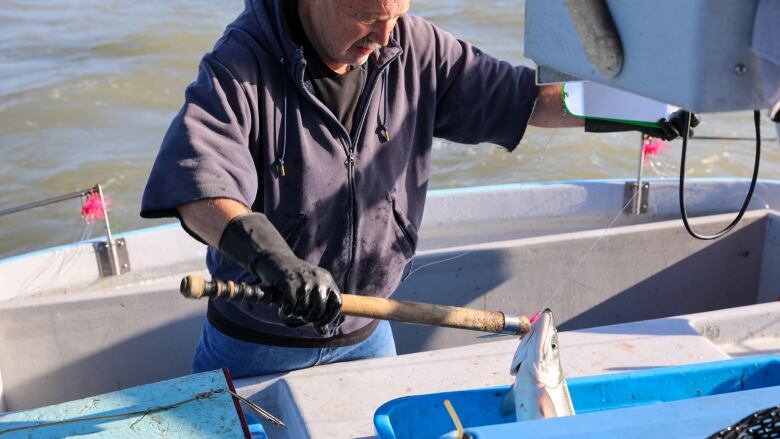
x=695, y=54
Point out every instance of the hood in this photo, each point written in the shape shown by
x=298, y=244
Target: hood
x=263, y=21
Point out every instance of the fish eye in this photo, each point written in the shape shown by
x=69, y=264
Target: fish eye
x=554, y=345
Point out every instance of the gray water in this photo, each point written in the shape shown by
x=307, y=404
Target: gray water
x=88, y=87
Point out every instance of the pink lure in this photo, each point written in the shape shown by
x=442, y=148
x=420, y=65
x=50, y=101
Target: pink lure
x=93, y=208
x=652, y=146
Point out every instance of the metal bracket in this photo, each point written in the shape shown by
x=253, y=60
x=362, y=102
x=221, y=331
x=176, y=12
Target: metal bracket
x=641, y=199
x=546, y=75
x=104, y=257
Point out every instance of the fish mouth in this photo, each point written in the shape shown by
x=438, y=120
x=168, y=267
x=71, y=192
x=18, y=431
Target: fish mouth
x=537, y=339
x=546, y=339
x=546, y=324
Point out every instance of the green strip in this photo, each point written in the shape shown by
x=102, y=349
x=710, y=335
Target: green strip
x=640, y=123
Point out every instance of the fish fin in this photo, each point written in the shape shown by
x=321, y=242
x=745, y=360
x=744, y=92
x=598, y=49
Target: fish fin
x=567, y=398
x=547, y=406
x=508, y=403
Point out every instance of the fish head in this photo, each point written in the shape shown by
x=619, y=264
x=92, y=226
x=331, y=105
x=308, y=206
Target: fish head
x=539, y=350
x=540, y=389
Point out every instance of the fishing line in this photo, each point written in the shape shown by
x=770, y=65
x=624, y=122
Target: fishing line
x=484, y=237
x=576, y=266
x=555, y=130
x=86, y=232
x=65, y=256
x=474, y=247
x=756, y=117
x=587, y=254
x=657, y=171
x=570, y=274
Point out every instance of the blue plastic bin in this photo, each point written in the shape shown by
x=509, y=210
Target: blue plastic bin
x=256, y=430
x=424, y=416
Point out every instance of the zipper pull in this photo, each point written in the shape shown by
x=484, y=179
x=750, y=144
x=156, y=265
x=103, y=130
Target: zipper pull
x=280, y=168
x=384, y=133
x=350, y=161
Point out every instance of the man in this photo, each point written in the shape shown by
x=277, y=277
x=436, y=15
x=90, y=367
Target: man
x=302, y=158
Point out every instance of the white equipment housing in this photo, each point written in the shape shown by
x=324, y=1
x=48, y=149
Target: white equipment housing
x=694, y=54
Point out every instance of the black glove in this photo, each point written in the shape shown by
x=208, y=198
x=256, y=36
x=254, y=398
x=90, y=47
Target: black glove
x=301, y=290
x=669, y=130
x=676, y=125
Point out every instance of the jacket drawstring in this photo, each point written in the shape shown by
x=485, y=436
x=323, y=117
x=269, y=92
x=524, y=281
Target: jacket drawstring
x=383, y=130
x=280, y=159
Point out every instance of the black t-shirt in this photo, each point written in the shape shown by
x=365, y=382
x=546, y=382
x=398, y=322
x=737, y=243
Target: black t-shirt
x=340, y=93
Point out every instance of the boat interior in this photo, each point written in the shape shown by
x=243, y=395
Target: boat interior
x=67, y=332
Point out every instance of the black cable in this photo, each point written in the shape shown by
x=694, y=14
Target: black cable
x=684, y=213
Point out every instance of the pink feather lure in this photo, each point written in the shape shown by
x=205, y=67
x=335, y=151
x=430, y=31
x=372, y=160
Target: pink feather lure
x=652, y=146
x=93, y=208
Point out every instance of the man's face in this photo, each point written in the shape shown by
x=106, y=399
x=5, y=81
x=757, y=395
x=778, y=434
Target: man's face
x=345, y=32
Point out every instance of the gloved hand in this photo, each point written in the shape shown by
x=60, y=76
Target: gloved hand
x=669, y=129
x=301, y=290
x=675, y=126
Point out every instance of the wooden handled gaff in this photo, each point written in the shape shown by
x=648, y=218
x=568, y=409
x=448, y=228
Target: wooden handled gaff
x=195, y=287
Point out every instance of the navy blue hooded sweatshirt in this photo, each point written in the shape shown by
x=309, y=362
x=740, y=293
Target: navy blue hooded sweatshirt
x=349, y=202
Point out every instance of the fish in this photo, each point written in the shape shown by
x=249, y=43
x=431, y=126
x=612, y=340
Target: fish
x=540, y=389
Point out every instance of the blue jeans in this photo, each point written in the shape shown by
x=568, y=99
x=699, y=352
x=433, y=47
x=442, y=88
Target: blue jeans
x=245, y=359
